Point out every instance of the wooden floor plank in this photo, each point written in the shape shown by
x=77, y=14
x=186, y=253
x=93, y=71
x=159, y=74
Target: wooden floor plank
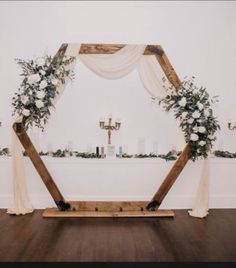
x=182, y=238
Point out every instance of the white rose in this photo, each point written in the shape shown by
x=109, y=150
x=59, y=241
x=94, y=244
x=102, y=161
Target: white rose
x=54, y=81
x=43, y=84
x=42, y=72
x=24, y=99
x=40, y=94
x=199, y=105
x=202, y=143
x=190, y=121
x=40, y=61
x=39, y=104
x=184, y=114
x=201, y=129
x=26, y=112
x=194, y=137
x=182, y=102
x=196, y=114
x=207, y=113
x=195, y=129
x=33, y=78
x=211, y=137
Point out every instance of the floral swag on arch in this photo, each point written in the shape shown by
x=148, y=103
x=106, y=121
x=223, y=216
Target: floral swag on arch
x=44, y=80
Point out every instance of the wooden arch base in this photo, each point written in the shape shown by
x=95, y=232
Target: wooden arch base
x=102, y=208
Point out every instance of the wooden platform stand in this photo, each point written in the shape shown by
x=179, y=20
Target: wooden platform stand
x=107, y=208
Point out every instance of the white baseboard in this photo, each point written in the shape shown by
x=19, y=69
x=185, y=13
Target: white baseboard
x=170, y=202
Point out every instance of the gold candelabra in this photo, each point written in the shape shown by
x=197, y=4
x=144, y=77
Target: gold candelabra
x=109, y=127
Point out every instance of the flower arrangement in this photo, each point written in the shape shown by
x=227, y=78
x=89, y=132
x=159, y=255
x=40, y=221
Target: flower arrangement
x=41, y=79
x=193, y=107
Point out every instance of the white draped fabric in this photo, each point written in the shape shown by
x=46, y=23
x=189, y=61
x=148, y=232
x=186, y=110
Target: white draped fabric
x=21, y=203
x=109, y=66
x=151, y=76
x=201, y=206
x=113, y=66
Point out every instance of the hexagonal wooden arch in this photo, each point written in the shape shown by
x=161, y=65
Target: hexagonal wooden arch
x=107, y=208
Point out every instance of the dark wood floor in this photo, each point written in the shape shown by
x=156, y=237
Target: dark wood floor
x=183, y=238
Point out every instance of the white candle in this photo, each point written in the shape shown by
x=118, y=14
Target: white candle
x=221, y=145
x=155, y=147
x=125, y=148
x=110, y=115
x=89, y=148
x=141, y=146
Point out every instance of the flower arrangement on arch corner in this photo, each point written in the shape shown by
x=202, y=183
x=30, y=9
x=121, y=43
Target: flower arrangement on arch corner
x=41, y=78
x=193, y=106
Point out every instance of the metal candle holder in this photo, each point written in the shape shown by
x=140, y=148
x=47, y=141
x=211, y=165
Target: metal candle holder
x=109, y=127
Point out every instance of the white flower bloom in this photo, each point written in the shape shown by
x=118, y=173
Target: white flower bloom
x=195, y=129
x=196, y=114
x=194, y=137
x=199, y=105
x=54, y=81
x=33, y=78
x=40, y=94
x=202, y=143
x=26, y=112
x=39, y=104
x=42, y=72
x=184, y=114
x=43, y=84
x=182, y=102
x=58, y=72
x=24, y=99
x=207, y=112
x=201, y=129
x=211, y=137
x=190, y=120
x=40, y=61
x=195, y=91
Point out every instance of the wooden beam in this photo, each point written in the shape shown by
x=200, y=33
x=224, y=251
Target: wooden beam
x=113, y=48
x=168, y=69
x=150, y=50
x=108, y=205
x=170, y=179
x=39, y=166
x=55, y=213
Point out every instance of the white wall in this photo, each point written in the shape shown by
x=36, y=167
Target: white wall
x=198, y=37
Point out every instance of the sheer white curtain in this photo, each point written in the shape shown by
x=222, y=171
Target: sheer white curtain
x=109, y=66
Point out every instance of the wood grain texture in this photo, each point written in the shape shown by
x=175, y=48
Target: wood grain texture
x=168, y=69
x=172, y=175
x=55, y=213
x=108, y=205
x=37, y=162
x=32, y=238
x=113, y=48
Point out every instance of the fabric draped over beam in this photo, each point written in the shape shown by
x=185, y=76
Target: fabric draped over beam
x=109, y=66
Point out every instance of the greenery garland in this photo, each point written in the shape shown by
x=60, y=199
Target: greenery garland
x=192, y=106
x=38, y=89
x=171, y=155
x=4, y=152
x=224, y=154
